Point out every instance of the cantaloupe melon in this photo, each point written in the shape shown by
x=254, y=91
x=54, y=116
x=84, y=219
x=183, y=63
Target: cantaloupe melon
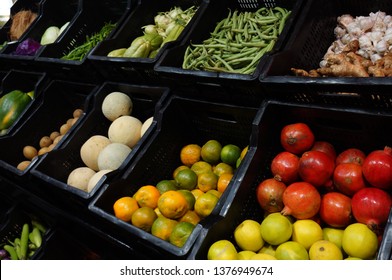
x=125, y=130
x=79, y=177
x=112, y=156
x=91, y=149
x=116, y=104
x=147, y=123
x=95, y=179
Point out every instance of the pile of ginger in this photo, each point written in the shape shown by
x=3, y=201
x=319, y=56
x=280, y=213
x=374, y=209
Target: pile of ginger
x=363, y=48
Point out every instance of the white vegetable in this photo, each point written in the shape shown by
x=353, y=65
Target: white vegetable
x=50, y=35
x=62, y=28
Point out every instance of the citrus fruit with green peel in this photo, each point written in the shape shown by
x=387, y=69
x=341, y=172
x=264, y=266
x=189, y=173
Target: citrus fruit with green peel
x=181, y=233
x=186, y=179
x=210, y=151
x=359, y=241
x=263, y=256
x=247, y=235
x=245, y=255
x=325, y=250
x=222, y=250
x=306, y=232
x=166, y=185
x=291, y=250
x=230, y=153
x=334, y=235
x=276, y=229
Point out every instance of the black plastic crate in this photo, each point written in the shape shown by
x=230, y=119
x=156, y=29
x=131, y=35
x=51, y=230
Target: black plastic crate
x=182, y=121
x=53, y=169
x=20, y=5
x=19, y=215
x=24, y=81
x=139, y=69
x=169, y=66
x=385, y=252
x=309, y=41
x=51, y=13
x=92, y=15
x=53, y=107
x=344, y=128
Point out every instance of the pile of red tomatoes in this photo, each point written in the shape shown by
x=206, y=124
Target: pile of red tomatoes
x=310, y=180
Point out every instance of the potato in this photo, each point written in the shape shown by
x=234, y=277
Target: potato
x=79, y=177
x=45, y=141
x=30, y=152
x=64, y=128
x=77, y=113
x=54, y=134
x=23, y=165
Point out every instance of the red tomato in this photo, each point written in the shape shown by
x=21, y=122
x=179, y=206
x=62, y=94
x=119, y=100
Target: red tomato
x=296, y=138
x=335, y=209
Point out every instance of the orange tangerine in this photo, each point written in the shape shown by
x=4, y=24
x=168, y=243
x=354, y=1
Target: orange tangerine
x=223, y=167
x=196, y=193
x=224, y=181
x=210, y=151
x=181, y=233
x=178, y=169
x=230, y=153
x=201, y=167
x=166, y=185
x=190, y=154
x=205, y=204
x=190, y=198
x=147, y=195
x=172, y=204
x=143, y=218
x=162, y=227
x=124, y=207
x=191, y=217
x=207, y=181
x=186, y=179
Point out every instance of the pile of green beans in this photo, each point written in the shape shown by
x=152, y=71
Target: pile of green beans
x=238, y=42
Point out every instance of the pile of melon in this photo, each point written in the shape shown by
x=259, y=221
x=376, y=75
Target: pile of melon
x=104, y=153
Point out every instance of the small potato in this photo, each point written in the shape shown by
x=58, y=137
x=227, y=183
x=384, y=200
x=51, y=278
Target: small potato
x=69, y=122
x=51, y=146
x=23, y=165
x=45, y=141
x=64, y=128
x=77, y=113
x=57, y=139
x=54, y=134
x=74, y=120
x=43, y=150
x=29, y=152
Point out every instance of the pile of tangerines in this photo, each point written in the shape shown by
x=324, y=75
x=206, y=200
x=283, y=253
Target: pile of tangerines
x=171, y=208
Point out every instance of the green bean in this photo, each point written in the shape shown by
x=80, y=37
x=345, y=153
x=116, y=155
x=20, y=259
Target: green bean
x=283, y=22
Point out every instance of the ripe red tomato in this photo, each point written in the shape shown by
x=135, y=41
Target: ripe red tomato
x=351, y=155
x=284, y=167
x=326, y=147
x=348, y=178
x=335, y=209
x=296, y=138
x=316, y=168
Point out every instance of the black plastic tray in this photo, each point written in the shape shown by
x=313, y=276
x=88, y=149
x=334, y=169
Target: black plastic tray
x=16, y=217
x=51, y=13
x=385, y=251
x=344, y=128
x=53, y=170
x=169, y=66
x=24, y=81
x=53, y=107
x=309, y=41
x=92, y=15
x=182, y=121
x=138, y=69
x=32, y=5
